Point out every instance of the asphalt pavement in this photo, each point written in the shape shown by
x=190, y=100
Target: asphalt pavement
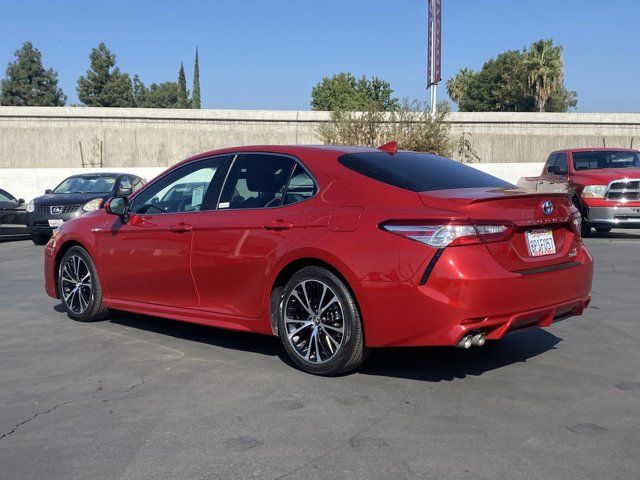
x=138, y=397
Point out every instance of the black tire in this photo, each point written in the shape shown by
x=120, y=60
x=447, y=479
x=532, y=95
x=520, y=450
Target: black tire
x=585, y=227
x=40, y=238
x=350, y=352
x=603, y=229
x=94, y=309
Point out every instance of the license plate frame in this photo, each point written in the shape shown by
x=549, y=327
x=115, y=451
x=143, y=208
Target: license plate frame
x=55, y=222
x=540, y=242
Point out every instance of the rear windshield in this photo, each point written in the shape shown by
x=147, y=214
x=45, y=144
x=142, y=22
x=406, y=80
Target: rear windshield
x=419, y=172
x=604, y=159
x=86, y=184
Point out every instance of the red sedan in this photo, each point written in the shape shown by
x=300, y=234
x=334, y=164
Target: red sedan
x=336, y=250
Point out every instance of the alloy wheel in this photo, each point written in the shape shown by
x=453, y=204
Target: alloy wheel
x=75, y=279
x=314, y=321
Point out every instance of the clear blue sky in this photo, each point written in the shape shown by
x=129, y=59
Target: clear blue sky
x=268, y=54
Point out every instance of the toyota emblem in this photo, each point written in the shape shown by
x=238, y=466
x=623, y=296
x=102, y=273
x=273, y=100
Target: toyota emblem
x=56, y=210
x=547, y=207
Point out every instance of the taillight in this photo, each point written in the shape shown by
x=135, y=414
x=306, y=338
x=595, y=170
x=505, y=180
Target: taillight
x=440, y=235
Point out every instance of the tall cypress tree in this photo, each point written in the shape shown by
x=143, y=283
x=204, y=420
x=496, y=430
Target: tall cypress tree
x=28, y=83
x=195, y=97
x=183, y=95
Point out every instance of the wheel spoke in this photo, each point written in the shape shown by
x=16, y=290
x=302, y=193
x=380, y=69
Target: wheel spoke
x=308, y=355
x=335, y=329
x=331, y=302
x=331, y=339
x=299, y=329
x=317, y=347
x=304, y=305
x=306, y=297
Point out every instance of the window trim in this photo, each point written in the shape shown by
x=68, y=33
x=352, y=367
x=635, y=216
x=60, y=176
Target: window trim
x=296, y=161
x=205, y=201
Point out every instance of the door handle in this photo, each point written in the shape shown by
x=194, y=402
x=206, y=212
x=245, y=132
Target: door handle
x=278, y=225
x=181, y=228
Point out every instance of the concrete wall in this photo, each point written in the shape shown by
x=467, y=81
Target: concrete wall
x=28, y=183
x=36, y=137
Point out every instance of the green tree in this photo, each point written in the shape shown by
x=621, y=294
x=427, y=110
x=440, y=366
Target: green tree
x=501, y=86
x=344, y=91
x=544, y=67
x=183, y=99
x=195, y=96
x=457, y=85
x=515, y=81
x=163, y=95
x=104, y=85
x=28, y=83
x=139, y=92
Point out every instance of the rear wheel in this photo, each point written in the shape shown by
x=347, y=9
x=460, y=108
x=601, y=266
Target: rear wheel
x=79, y=286
x=319, y=323
x=40, y=238
x=603, y=229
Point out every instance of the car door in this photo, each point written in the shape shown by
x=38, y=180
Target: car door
x=13, y=217
x=147, y=258
x=264, y=206
x=554, y=181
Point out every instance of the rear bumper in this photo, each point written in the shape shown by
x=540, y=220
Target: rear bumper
x=614, y=216
x=468, y=291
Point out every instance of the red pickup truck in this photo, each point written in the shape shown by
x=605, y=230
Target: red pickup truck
x=605, y=183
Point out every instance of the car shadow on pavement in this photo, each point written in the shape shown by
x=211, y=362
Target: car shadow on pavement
x=431, y=364
x=219, y=337
x=437, y=364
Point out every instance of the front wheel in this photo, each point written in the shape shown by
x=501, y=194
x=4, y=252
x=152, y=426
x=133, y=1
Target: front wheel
x=319, y=323
x=603, y=229
x=79, y=286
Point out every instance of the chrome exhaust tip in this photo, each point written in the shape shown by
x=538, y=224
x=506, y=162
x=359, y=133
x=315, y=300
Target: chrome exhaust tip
x=465, y=342
x=478, y=339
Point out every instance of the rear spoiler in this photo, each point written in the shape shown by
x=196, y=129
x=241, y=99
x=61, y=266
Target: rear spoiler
x=522, y=195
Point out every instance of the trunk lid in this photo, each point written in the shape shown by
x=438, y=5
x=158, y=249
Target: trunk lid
x=521, y=208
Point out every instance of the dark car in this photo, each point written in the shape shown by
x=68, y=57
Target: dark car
x=75, y=196
x=13, y=216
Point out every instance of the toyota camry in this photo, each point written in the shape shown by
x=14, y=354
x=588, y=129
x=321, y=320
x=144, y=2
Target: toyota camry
x=336, y=250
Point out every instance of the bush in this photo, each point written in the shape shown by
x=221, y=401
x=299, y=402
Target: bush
x=411, y=125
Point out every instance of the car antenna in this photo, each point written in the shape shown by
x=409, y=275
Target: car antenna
x=389, y=147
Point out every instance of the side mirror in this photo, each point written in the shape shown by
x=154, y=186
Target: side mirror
x=556, y=170
x=21, y=201
x=117, y=206
x=124, y=191
x=48, y=191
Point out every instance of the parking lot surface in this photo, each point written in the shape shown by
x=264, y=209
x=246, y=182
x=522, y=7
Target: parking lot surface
x=138, y=397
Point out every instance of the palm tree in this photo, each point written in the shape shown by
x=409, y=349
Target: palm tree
x=457, y=85
x=544, y=64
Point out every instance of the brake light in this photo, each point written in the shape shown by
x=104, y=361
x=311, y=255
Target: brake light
x=439, y=235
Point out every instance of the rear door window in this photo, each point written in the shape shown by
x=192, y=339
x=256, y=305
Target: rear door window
x=419, y=172
x=256, y=181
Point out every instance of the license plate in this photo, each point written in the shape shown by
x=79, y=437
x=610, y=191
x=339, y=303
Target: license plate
x=540, y=242
x=55, y=222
